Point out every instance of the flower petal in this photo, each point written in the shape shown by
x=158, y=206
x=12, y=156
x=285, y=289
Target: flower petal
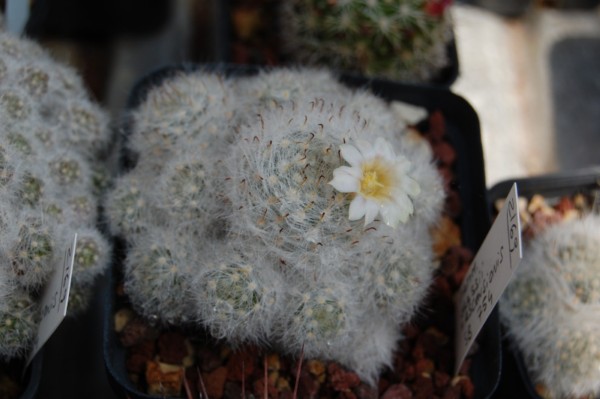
x=351, y=154
x=344, y=181
x=357, y=208
x=404, y=203
x=372, y=209
x=365, y=147
x=410, y=186
x=348, y=171
x=345, y=184
x=384, y=149
x=393, y=214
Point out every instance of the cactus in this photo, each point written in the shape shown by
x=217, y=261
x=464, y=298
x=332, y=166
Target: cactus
x=249, y=234
x=52, y=138
x=19, y=318
x=396, y=39
x=551, y=307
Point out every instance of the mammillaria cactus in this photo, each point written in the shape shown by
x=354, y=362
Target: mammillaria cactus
x=52, y=140
x=551, y=307
x=293, y=214
x=398, y=39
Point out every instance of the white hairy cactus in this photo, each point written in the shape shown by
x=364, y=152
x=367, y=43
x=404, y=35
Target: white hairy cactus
x=248, y=233
x=552, y=307
x=53, y=138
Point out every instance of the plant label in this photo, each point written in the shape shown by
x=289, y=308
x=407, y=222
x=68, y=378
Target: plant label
x=488, y=276
x=54, y=300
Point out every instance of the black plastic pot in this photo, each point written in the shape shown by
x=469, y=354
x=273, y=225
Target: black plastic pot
x=462, y=128
x=32, y=376
x=515, y=380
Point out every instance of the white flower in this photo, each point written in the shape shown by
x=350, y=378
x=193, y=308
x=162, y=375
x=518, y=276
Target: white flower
x=380, y=180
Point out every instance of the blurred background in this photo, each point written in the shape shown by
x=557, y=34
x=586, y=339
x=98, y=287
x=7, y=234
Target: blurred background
x=530, y=69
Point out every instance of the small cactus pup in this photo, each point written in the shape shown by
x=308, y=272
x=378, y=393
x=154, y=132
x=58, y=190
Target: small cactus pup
x=552, y=308
x=397, y=39
x=302, y=222
x=53, y=142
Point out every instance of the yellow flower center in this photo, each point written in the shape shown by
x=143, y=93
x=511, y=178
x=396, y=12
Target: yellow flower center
x=377, y=180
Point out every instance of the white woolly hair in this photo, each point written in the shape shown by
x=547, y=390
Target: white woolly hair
x=394, y=279
x=15, y=104
x=242, y=233
x=276, y=87
x=552, y=306
x=281, y=201
x=279, y=172
x=189, y=187
x=51, y=138
x=198, y=105
x=92, y=254
x=567, y=359
x=18, y=323
x=321, y=317
x=238, y=297
x=85, y=127
x=127, y=206
x=372, y=347
x=20, y=49
x=158, y=275
x=28, y=247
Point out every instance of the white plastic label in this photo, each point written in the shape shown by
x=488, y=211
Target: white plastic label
x=488, y=276
x=54, y=300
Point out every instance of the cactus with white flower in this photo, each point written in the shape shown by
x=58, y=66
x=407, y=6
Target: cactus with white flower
x=294, y=213
x=552, y=308
x=53, y=140
x=396, y=39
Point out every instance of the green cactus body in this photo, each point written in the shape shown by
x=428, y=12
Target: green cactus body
x=185, y=187
x=31, y=255
x=194, y=109
x=6, y=168
x=32, y=190
x=14, y=105
x=398, y=39
x=65, y=171
x=234, y=301
x=125, y=207
x=19, y=142
x=158, y=283
x=18, y=323
x=34, y=80
x=321, y=317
